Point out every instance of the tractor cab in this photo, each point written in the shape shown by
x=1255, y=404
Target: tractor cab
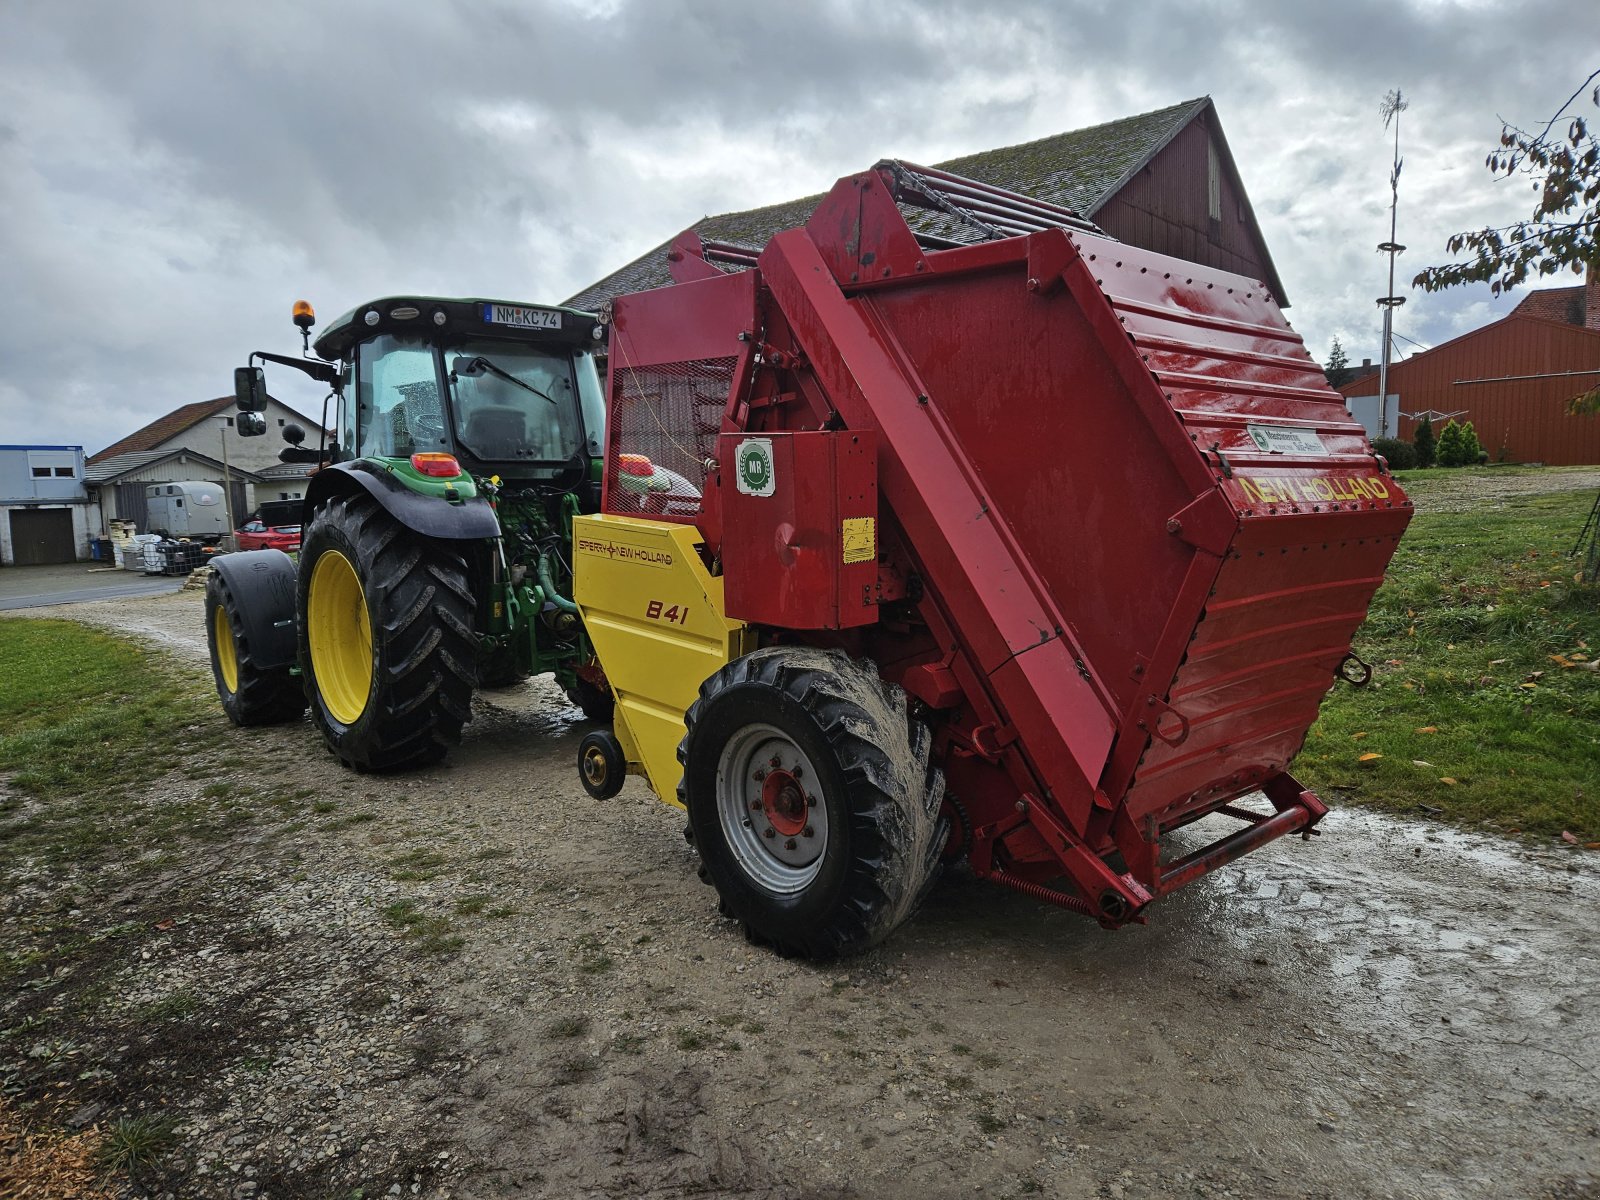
x=459, y=440
x=501, y=389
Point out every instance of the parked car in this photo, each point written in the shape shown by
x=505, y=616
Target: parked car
x=275, y=527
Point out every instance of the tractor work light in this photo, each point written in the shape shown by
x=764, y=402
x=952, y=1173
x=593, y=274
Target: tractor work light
x=304, y=315
x=635, y=464
x=406, y=312
x=439, y=466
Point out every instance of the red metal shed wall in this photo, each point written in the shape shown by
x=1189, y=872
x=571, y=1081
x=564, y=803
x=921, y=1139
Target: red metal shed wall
x=1525, y=416
x=1164, y=208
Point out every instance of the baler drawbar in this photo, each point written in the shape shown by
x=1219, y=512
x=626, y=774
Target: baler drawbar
x=947, y=524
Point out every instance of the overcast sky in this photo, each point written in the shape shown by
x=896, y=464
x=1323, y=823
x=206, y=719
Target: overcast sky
x=174, y=175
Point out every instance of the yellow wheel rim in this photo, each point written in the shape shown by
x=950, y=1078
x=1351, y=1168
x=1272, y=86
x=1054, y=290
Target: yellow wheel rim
x=227, y=658
x=340, y=636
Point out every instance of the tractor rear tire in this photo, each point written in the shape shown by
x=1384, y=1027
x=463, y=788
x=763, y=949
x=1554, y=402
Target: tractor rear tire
x=250, y=694
x=812, y=800
x=386, y=640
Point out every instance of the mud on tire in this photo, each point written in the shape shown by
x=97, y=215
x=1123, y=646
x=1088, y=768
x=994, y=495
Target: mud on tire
x=255, y=695
x=419, y=611
x=850, y=768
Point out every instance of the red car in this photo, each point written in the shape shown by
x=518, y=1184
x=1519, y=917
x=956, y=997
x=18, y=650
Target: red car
x=271, y=530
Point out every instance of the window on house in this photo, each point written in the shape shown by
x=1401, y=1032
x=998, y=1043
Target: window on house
x=230, y=422
x=41, y=472
x=280, y=422
x=1213, y=182
x=63, y=472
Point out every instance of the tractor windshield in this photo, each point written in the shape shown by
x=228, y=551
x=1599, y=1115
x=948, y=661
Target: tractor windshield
x=401, y=411
x=513, y=403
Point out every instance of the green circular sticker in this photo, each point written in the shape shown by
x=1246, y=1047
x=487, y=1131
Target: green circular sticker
x=755, y=467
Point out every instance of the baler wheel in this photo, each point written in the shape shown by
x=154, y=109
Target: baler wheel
x=386, y=641
x=602, y=767
x=251, y=695
x=812, y=800
x=597, y=703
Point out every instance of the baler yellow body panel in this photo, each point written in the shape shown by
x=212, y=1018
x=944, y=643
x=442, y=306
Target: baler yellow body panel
x=655, y=616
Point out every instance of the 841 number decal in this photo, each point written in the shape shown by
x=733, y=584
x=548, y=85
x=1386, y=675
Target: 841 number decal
x=678, y=614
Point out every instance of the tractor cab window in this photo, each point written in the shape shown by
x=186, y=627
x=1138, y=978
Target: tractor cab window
x=514, y=403
x=399, y=409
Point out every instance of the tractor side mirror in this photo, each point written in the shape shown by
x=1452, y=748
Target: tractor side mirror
x=250, y=389
x=251, y=424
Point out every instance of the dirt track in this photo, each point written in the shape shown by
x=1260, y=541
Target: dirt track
x=1393, y=1009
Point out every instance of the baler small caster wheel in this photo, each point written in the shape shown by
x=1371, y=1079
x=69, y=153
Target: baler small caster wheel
x=601, y=765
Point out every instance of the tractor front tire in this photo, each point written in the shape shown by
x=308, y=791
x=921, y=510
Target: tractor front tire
x=812, y=800
x=386, y=640
x=250, y=694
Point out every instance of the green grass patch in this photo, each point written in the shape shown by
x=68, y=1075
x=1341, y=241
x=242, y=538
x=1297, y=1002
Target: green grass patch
x=431, y=933
x=133, y=1143
x=1481, y=708
x=175, y=1006
x=417, y=864
x=80, y=709
x=86, y=722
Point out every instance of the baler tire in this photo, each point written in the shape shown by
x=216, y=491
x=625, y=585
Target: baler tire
x=413, y=604
x=869, y=775
x=602, y=766
x=597, y=704
x=255, y=695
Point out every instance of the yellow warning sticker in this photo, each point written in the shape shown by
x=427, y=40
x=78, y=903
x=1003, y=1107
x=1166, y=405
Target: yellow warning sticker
x=860, y=539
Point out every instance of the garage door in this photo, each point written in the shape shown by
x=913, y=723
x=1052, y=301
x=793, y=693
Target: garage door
x=41, y=535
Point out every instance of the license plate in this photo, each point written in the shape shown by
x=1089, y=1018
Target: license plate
x=521, y=318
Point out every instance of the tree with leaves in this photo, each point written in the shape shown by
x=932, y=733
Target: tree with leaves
x=1422, y=441
x=1471, y=447
x=1563, y=163
x=1451, y=447
x=1338, y=369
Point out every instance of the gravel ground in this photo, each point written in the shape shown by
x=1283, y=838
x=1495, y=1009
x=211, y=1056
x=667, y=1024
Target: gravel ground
x=1391, y=1010
x=1442, y=490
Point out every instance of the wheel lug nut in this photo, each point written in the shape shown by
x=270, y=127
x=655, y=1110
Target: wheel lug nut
x=798, y=771
x=811, y=801
x=755, y=806
x=808, y=832
x=789, y=845
x=776, y=762
x=769, y=831
x=759, y=775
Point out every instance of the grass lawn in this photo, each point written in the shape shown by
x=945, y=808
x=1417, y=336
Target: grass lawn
x=1485, y=705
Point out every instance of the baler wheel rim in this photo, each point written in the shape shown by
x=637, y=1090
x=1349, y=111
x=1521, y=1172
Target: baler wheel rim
x=758, y=769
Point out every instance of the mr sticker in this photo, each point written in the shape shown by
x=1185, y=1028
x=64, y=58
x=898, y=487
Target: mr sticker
x=753, y=473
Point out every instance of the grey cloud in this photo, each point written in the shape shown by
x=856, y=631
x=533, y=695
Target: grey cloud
x=172, y=176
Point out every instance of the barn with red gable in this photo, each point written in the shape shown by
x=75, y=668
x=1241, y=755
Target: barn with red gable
x=1512, y=379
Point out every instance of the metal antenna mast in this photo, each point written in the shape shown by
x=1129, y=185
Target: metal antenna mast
x=1393, y=105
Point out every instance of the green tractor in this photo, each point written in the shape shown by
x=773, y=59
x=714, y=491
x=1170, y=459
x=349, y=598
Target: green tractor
x=436, y=548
